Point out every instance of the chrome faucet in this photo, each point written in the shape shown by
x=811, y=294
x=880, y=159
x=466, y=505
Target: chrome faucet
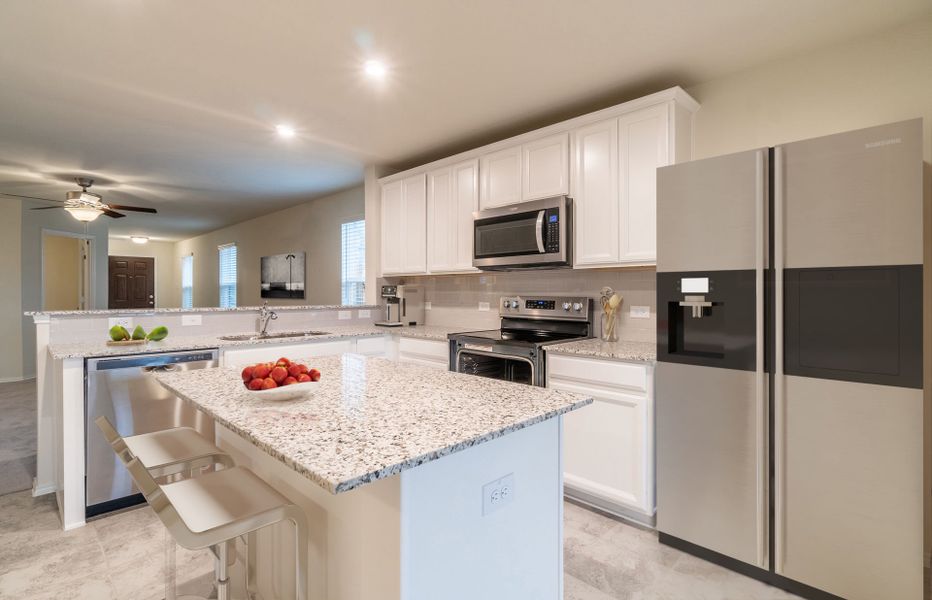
x=265, y=315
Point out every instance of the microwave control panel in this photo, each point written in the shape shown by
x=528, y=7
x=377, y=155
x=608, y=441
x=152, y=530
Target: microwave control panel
x=552, y=230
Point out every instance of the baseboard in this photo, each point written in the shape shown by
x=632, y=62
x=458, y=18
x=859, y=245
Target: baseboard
x=42, y=491
x=610, y=508
x=16, y=379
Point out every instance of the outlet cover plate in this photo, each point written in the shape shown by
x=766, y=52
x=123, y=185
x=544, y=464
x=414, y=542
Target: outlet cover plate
x=189, y=320
x=639, y=312
x=428, y=306
x=484, y=307
x=345, y=315
x=364, y=314
x=126, y=322
x=498, y=493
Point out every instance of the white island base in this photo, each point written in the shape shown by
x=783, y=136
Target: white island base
x=423, y=534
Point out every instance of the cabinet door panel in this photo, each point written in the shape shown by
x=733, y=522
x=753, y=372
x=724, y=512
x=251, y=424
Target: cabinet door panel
x=595, y=194
x=501, y=178
x=441, y=220
x=643, y=146
x=604, y=445
x=392, y=228
x=414, y=242
x=545, y=165
x=465, y=202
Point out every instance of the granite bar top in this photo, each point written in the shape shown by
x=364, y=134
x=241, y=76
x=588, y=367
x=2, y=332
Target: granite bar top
x=629, y=351
x=370, y=418
x=95, y=349
x=206, y=309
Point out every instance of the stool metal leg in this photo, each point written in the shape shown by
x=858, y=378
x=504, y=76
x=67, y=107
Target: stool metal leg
x=251, y=557
x=223, y=579
x=169, y=566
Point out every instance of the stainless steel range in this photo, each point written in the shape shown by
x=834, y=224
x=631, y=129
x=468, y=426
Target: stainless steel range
x=528, y=324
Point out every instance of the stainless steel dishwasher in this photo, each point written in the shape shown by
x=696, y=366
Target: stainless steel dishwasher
x=121, y=389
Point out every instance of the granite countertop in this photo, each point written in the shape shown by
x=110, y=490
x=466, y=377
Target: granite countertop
x=371, y=418
x=206, y=309
x=93, y=349
x=621, y=350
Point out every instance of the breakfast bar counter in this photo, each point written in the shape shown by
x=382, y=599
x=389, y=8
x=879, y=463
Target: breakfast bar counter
x=416, y=483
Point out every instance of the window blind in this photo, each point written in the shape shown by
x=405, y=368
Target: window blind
x=187, y=281
x=227, y=253
x=354, y=262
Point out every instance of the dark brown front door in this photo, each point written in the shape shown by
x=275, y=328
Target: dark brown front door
x=132, y=282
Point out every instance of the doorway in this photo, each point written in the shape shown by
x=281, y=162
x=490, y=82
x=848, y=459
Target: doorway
x=131, y=282
x=66, y=271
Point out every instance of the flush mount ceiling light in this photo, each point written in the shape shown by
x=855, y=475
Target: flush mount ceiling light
x=285, y=131
x=375, y=69
x=139, y=239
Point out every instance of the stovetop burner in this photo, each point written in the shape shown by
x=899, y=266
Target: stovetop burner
x=521, y=336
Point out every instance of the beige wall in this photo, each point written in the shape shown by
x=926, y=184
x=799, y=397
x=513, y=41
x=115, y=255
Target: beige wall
x=868, y=81
x=164, y=255
x=61, y=263
x=312, y=227
x=11, y=319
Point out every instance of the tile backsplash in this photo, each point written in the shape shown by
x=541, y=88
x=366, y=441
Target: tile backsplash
x=455, y=299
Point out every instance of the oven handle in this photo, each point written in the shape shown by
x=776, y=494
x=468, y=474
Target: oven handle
x=540, y=231
x=460, y=352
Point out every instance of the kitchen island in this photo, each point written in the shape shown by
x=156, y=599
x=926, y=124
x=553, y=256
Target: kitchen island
x=395, y=466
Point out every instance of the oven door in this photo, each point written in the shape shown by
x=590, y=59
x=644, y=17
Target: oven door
x=506, y=367
x=528, y=235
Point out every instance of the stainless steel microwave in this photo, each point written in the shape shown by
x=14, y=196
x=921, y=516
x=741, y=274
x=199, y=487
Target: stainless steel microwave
x=530, y=235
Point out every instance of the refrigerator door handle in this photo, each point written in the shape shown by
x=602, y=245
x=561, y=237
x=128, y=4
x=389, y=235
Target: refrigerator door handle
x=760, y=391
x=778, y=392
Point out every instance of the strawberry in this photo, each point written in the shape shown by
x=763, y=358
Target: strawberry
x=278, y=374
x=255, y=384
x=247, y=374
x=268, y=383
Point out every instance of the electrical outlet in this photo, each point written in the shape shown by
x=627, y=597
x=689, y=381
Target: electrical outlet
x=428, y=306
x=189, y=320
x=498, y=493
x=126, y=322
x=364, y=314
x=639, y=312
x=345, y=314
x=484, y=307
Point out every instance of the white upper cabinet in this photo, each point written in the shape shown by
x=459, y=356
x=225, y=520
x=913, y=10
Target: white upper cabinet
x=606, y=161
x=545, y=166
x=392, y=228
x=452, y=197
x=404, y=226
x=642, y=147
x=501, y=178
x=595, y=193
x=414, y=193
x=615, y=183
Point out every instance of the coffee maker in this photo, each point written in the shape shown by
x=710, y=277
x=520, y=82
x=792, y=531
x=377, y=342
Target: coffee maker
x=404, y=305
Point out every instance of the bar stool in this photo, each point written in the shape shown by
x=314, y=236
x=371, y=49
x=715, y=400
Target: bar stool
x=216, y=508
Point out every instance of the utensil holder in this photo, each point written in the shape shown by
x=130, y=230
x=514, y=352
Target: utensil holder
x=610, y=326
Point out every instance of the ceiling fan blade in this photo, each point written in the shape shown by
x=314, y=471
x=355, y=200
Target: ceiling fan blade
x=133, y=208
x=32, y=198
x=113, y=214
x=44, y=207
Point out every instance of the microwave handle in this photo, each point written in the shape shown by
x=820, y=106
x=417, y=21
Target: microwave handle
x=540, y=231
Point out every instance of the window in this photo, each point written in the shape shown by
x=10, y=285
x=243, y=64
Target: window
x=227, y=254
x=354, y=262
x=187, y=281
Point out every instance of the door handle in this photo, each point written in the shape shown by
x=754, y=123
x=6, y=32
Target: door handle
x=540, y=232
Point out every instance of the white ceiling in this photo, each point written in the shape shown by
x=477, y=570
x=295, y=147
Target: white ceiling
x=172, y=103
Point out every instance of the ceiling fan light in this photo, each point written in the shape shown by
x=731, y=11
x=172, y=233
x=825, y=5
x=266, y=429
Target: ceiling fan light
x=84, y=214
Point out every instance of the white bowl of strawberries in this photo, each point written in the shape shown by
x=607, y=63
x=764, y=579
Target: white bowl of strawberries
x=281, y=380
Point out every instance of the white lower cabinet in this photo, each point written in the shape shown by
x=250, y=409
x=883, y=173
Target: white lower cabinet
x=240, y=357
x=608, y=451
x=430, y=353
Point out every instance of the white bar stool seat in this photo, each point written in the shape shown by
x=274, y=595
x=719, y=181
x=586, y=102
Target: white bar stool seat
x=180, y=450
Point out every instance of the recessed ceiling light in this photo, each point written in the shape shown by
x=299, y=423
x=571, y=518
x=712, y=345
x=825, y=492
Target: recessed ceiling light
x=285, y=131
x=375, y=69
x=139, y=239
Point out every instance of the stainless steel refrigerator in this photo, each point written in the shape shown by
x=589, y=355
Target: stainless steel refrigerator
x=789, y=378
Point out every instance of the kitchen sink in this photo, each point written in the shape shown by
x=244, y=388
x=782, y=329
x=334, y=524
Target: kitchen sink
x=249, y=337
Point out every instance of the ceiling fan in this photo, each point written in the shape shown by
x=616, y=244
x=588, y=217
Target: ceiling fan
x=84, y=205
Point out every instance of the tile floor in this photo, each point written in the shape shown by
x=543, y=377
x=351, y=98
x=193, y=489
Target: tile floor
x=17, y=436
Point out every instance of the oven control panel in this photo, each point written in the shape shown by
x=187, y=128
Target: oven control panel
x=550, y=307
